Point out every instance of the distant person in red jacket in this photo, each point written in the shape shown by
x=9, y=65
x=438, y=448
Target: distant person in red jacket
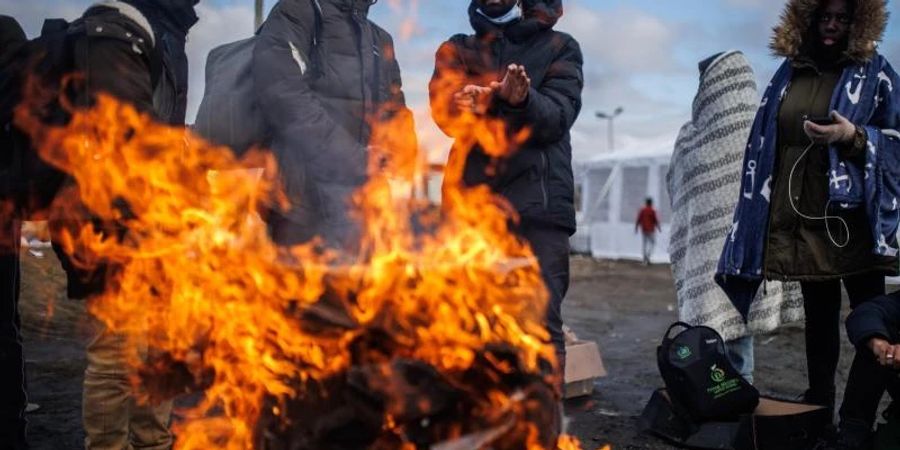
x=648, y=224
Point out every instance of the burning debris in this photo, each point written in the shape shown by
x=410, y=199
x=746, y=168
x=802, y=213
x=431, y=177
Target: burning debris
x=431, y=336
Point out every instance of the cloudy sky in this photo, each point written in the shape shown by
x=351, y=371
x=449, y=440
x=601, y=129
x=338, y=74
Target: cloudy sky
x=639, y=54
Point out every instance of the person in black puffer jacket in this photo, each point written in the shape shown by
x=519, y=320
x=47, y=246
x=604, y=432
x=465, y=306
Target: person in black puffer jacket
x=326, y=81
x=518, y=69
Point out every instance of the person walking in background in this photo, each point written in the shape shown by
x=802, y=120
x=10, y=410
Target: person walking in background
x=821, y=206
x=724, y=107
x=518, y=69
x=648, y=224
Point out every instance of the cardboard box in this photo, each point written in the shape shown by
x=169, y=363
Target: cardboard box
x=775, y=425
x=583, y=366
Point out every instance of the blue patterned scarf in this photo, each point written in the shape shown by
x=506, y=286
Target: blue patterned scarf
x=866, y=96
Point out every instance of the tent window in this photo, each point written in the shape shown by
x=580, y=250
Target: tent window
x=597, y=209
x=634, y=192
x=663, y=204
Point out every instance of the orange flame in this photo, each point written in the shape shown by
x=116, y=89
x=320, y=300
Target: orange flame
x=198, y=279
x=201, y=281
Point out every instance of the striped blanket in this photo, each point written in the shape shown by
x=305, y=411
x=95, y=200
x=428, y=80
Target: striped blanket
x=703, y=181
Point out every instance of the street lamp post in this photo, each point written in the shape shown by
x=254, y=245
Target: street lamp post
x=610, y=118
x=259, y=14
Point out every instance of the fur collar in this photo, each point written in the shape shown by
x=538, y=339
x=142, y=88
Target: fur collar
x=869, y=23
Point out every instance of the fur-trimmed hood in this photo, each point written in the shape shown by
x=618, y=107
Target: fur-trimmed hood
x=869, y=22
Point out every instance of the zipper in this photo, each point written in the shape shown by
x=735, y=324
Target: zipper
x=361, y=31
x=544, y=164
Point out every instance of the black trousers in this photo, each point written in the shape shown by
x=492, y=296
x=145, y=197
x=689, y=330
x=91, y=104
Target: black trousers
x=551, y=247
x=12, y=363
x=866, y=385
x=822, y=303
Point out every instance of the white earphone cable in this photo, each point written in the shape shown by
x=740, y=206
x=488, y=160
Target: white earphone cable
x=826, y=217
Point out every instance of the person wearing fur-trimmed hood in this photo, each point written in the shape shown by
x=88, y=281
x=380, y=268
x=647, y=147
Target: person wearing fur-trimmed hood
x=822, y=201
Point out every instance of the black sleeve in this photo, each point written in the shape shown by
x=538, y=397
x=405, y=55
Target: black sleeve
x=295, y=113
x=398, y=130
x=551, y=108
x=879, y=318
x=448, y=79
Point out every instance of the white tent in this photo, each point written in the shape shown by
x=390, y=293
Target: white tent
x=611, y=189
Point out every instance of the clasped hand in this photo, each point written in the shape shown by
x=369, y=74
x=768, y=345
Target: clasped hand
x=512, y=89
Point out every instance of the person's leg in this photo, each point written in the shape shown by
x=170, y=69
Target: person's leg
x=149, y=423
x=107, y=392
x=645, y=245
x=865, y=387
x=12, y=363
x=822, y=304
x=551, y=247
x=740, y=353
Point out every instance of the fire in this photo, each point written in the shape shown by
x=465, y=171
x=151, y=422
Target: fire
x=202, y=285
x=272, y=336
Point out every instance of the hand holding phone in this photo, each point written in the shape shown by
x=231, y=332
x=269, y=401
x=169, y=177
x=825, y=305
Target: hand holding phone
x=829, y=130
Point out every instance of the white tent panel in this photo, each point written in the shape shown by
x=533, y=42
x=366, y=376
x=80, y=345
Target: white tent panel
x=613, y=189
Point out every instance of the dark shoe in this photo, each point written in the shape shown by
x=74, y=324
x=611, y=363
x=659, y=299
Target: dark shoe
x=854, y=435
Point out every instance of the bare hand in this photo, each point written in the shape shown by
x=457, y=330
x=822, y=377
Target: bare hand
x=888, y=355
x=841, y=131
x=473, y=99
x=513, y=89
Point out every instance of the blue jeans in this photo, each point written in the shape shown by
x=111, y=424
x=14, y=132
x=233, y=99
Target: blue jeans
x=740, y=353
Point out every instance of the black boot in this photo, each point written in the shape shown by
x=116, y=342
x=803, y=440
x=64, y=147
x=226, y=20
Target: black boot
x=854, y=435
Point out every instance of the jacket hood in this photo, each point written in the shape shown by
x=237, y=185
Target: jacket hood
x=726, y=83
x=11, y=37
x=359, y=5
x=869, y=22
x=537, y=15
x=175, y=16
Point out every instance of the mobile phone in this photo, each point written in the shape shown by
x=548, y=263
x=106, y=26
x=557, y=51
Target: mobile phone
x=820, y=120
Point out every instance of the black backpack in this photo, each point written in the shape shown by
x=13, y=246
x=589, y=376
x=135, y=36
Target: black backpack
x=701, y=380
x=229, y=114
x=30, y=183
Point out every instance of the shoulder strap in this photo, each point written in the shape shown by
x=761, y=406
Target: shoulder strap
x=676, y=325
x=317, y=45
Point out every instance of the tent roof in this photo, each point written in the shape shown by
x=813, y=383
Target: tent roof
x=634, y=155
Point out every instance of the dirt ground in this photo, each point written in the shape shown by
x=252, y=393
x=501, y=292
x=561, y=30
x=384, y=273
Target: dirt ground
x=623, y=306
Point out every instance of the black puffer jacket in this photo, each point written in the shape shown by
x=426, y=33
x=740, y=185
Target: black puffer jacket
x=133, y=50
x=537, y=178
x=320, y=101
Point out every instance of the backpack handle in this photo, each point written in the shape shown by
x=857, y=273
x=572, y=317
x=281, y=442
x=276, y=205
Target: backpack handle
x=673, y=326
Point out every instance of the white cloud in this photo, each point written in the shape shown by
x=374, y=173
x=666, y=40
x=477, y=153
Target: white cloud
x=217, y=25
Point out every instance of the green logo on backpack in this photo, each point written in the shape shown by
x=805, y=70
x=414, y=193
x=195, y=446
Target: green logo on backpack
x=683, y=352
x=721, y=387
x=716, y=374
